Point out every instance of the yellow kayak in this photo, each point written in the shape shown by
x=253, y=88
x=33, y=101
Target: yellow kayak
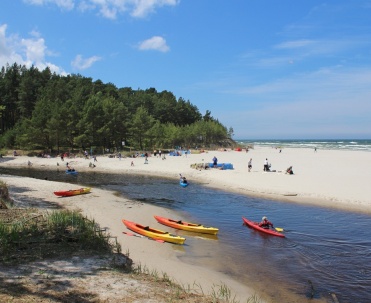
x=153, y=233
x=187, y=226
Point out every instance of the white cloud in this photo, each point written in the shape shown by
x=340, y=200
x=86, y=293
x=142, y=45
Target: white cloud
x=35, y=49
x=25, y=51
x=4, y=50
x=144, y=7
x=80, y=63
x=155, y=43
x=295, y=44
x=64, y=4
x=110, y=8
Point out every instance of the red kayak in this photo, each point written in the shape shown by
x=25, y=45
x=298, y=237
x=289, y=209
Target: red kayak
x=72, y=192
x=255, y=225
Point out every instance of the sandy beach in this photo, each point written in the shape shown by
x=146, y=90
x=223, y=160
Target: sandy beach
x=328, y=178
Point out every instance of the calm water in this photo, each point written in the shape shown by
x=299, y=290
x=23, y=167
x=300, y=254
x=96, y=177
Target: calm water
x=325, y=253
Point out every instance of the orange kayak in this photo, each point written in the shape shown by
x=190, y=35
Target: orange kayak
x=153, y=233
x=187, y=226
x=72, y=192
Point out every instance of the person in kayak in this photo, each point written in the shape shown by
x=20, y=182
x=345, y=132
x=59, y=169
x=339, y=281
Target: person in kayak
x=265, y=223
x=183, y=179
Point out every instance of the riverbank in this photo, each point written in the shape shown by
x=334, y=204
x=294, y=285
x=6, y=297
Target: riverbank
x=326, y=178
x=107, y=209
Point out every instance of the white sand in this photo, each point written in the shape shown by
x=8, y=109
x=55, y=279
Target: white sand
x=331, y=178
x=336, y=179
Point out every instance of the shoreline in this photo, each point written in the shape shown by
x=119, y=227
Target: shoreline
x=340, y=185
x=162, y=258
x=328, y=178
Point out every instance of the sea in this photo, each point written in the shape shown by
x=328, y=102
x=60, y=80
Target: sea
x=329, y=144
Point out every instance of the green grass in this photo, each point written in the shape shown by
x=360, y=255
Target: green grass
x=65, y=232
x=4, y=195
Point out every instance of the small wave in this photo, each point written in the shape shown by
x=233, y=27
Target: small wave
x=357, y=145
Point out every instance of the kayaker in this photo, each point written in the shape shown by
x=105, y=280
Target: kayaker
x=265, y=223
x=183, y=179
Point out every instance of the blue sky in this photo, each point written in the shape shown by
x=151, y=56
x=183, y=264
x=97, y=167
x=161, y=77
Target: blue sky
x=269, y=69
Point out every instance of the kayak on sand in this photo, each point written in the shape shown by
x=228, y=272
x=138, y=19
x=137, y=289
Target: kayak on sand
x=255, y=225
x=153, y=233
x=194, y=227
x=72, y=192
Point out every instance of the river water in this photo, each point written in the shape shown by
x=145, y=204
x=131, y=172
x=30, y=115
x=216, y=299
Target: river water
x=325, y=256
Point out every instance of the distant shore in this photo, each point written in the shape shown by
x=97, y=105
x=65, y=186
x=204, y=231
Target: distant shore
x=327, y=178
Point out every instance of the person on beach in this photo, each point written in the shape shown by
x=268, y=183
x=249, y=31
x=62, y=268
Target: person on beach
x=265, y=223
x=266, y=165
x=249, y=165
x=289, y=171
x=215, y=161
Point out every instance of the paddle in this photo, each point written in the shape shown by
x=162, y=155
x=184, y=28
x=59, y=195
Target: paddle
x=135, y=235
x=279, y=229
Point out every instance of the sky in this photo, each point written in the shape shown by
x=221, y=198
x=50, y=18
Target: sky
x=270, y=69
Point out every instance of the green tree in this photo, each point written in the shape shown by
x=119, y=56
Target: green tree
x=91, y=122
x=115, y=126
x=142, y=122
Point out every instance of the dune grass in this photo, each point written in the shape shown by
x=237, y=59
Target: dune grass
x=52, y=234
